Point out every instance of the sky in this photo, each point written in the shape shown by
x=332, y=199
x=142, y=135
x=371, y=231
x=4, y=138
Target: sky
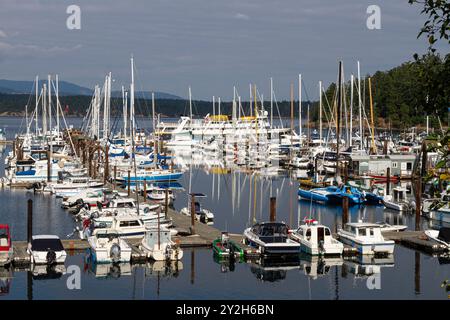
x=210, y=45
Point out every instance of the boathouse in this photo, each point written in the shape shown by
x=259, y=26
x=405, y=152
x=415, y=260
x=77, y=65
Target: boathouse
x=400, y=164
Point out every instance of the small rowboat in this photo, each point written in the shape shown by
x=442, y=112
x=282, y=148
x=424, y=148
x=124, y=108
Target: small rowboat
x=225, y=248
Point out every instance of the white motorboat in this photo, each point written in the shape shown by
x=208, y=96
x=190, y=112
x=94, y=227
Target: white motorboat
x=316, y=239
x=72, y=185
x=158, y=245
x=397, y=201
x=271, y=238
x=386, y=227
x=46, y=249
x=124, y=226
x=442, y=236
x=109, y=247
x=366, y=237
x=201, y=214
x=159, y=194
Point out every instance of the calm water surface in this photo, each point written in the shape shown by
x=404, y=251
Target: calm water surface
x=237, y=200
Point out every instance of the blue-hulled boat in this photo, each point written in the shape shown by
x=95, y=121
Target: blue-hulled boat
x=333, y=194
x=317, y=194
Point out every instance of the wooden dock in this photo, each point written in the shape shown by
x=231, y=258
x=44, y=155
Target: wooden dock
x=415, y=240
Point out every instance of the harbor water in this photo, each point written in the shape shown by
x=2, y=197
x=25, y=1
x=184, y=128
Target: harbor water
x=237, y=199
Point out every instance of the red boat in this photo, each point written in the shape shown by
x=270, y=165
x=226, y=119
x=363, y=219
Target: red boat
x=384, y=178
x=6, y=248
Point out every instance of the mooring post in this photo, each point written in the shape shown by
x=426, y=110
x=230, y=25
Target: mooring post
x=385, y=147
x=145, y=190
x=192, y=213
x=345, y=173
x=424, y=164
x=106, y=173
x=49, y=165
x=115, y=177
x=344, y=211
x=273, y=209
x=166, y=204
x=129, y=190
x=30, y=222
x=388, y=181
x=418, y=202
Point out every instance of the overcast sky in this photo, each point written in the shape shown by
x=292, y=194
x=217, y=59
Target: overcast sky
x=208, y=44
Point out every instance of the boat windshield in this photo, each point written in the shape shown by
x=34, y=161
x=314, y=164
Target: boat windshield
x=46, y=244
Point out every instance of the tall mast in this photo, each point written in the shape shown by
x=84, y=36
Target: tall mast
x=50, y=102
x=300, y=105
x=214, y=105
x=292, y=109
x=351, y=109
x=124, y=113
x=219, y=107
x=190, y=103
x=155, y=143
x=338, y=113
x=44, y=109
x=105, y=109
x=57, y=104
x=234, y=104
x=374, y=150
x=36, y=105
x=361, y=133
x=132, y=96
x=251, y=98
x=271, y=102
x=320, y=112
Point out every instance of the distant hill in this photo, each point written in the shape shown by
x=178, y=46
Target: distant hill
x=71, y=89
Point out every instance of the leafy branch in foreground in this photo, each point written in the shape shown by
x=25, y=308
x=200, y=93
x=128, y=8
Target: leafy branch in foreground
x=438, y=24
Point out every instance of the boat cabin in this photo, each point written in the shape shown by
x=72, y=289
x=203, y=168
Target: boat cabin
x=369, y=230
x=399, y=194
x=271, y=232
x=5, y=238
x=400, y=164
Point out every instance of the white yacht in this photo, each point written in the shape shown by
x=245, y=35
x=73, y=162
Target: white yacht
x=366, y=237
x=107, y=247
x=397, y=201
x=316, y=239
x=158, y=245
x=46, y=249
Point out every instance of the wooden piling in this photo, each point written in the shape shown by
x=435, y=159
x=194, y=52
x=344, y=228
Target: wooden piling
x=115, y=177
x=49, y=166
x=388, y=180
x=166, y=203
x=273, y=209
x=30, y=222
x=106, y=169
x=129, y=190
x=385, y=147
x=418, y=202
x=192, y=214
x=344, y=211
x=145, y=191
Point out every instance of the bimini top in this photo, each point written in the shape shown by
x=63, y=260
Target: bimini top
x=45, y=243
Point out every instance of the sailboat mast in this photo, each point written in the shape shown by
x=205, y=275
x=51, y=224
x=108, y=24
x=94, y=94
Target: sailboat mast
x=57, y=104
x=49, y=79
x=36, y=105
x=132, y=97
x=320, y=112
x=361, y=133
x=190, y=103
x=214, y=106
x=374, y=150
x=351, y=109
x=271, y=102
x=300, y=105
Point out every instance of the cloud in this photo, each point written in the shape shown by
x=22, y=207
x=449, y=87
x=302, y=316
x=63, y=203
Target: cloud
x=32, y=50
x=2, y=34
x=241, y=16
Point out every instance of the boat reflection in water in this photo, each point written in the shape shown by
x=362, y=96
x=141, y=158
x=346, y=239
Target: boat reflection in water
x=274, y=269
x=46, y=272
x=363, y=266
x=108, y=270
x=318, y=266
x=167, y=269
x=227, y=264
x=6, y=276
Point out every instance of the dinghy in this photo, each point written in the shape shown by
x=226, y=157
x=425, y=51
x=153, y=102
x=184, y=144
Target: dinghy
x=224, y=247
x=107, y=247
x=441, y=236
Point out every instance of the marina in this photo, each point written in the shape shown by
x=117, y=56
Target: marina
x=227, y=151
